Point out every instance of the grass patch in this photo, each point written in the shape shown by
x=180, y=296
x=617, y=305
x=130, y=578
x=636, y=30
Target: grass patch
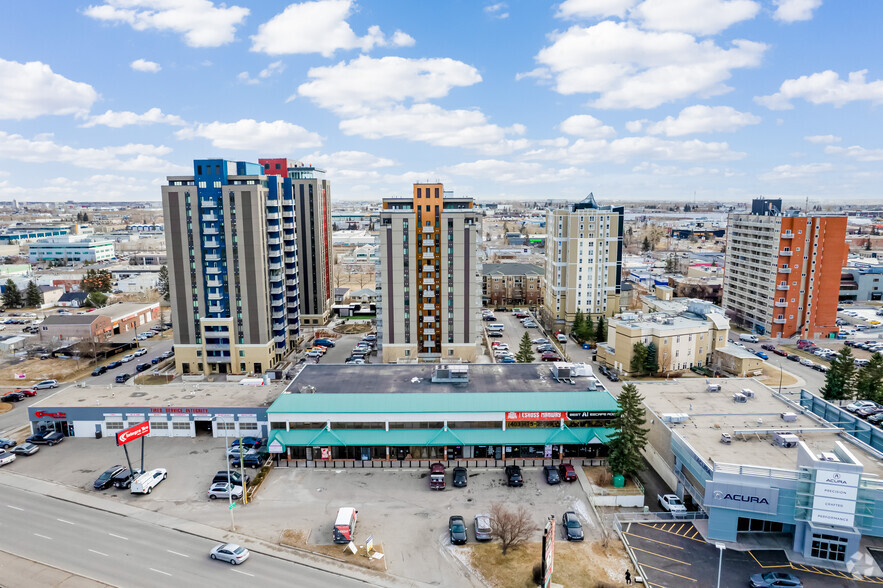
x=5, y=407
x=586, y=564
x=353, y=328
x=300, y=538
x=771, y=376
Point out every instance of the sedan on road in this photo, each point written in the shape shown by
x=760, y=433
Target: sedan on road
x=26, y=391
x=114, y=364
x=229, y=552
x=550, y=356
x=457, y=530
x=25, y=449
x=761, y=355
x=105, y=480
x=224, y=490
x=540, y=341
x=99, y=370
x=573, y=530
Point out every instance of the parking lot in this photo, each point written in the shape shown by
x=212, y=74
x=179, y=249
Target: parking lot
x=513, y=331
x=673, y=554
x=395, y=506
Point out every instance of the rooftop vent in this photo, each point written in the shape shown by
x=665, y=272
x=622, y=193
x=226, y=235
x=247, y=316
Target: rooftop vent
x=789, y=417
x=448, y=374
x=826, y=456
x=786, y=440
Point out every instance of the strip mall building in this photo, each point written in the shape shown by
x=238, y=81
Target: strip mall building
x=404, y=412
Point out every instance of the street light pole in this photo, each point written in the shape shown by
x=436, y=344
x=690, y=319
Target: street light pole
x=720, y=562
x=229, y=481
x=780, y=377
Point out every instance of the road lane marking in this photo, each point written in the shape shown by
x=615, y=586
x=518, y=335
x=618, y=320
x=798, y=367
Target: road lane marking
x=64, y=521
x=119, y=536
x=243, y=573
x=99, y=553
x=176, y=553
x=14, y=507
x=160, y=572
x=43, y=536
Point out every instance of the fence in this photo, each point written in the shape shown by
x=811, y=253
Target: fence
x=424, y=464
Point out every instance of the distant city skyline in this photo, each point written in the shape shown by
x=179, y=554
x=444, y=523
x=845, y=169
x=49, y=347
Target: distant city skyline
x=630, y=99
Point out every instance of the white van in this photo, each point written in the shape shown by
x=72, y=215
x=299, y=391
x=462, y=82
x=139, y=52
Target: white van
x=144, y=483
x=860, y=362
x=496, y=327
x=749, y=338
x=344, y=525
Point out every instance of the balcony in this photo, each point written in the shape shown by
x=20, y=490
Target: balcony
x=784, y=270
x=209, y=231
x=210, y=218
x=274, y=241
x=429, y=229
x=779, y=321
x=275, y=266
x=211, y=244
x=217, y=347
x=428, y=294
x=278, y=314
x=288, y=249
x=429, y=331
x=214, y=283
x=279, y=339
x=291, y=282
x=272, y=216
x=275, y=291
x=429, y=281
x=213, y=257
x=215, y=296
x=428, y=268
x=782, y=287
x=426, y=255
x=208, y=204
x=785, y=253
x=428, y=243
x=788, y=235
x=211, y=271
x=429, y=319
x=279, y=326
x=216, y=309
x=781, y=305
x=429, y=306
x=293, y=316
x=287, y=225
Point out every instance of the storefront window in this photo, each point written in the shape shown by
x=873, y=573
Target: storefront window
x=830, y=547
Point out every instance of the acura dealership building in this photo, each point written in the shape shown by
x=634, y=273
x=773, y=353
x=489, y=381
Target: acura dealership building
x=765, y=469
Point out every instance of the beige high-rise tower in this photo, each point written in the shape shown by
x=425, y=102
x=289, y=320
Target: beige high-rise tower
x=429, y=279
x=583, y=262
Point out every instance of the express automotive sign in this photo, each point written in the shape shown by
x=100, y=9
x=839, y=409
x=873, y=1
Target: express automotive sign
x=133, y=433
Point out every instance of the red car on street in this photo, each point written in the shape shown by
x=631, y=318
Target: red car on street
x=26, y=391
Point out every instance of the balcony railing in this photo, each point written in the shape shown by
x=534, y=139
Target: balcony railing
x=287, y=225
x=428, y=229
x=428, y=243
x=784, y=270
x=214, y=296
x=212, y=270
x=214, y=283
x=275, y=266
x=209, y=231
x=208, y=203
x=210, y=218
x=429, y=306
x=429, y=281
x=216, y=309
x=212, y=257
x=785, y=253
x=272, y=216
x=274, y=241
x=782, y=287
x=779, y=321
x=428, y=294
x=781, y=305
x=211, y=244
x=288, y=249
x=788, y=235
x=275, y=291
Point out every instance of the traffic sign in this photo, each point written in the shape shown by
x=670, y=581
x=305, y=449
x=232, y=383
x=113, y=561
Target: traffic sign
x=232, y=506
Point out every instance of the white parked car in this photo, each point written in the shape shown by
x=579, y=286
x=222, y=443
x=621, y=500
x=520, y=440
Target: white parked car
x=224, y=490
x=6, y=457
x=860, y=404
x=139, y=352
x=806, y=362
x=501, y=347
x=127, y=358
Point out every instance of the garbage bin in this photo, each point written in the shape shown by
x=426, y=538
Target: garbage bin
x=98, y=434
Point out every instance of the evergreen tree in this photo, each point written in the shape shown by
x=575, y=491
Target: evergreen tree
x=33, y=295
x=579, y=325
x=645, y=246
x=590, y=329
x=601, y=330
x=85, y=217
x=162, y=283
x=639, y=358
x=651, y=362
x=869, y=381
x=12, y=295
x=630, y=437
x=525, y=351
x=840, y=379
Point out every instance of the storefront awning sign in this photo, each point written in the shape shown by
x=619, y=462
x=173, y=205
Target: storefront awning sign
x=581, y=415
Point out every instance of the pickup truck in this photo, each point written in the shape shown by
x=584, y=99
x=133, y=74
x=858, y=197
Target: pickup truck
x=672, y=504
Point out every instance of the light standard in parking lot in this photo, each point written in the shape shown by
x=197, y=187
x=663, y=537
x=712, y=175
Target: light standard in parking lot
x=215, y=419
x=720, y=562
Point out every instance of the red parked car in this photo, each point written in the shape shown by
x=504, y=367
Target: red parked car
x=26, y=391
x=567, y=473
x=549, y=356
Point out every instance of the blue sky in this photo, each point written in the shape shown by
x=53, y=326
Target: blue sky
x=629, y=99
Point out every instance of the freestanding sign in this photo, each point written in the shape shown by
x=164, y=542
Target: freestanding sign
x=548, y=551
x=133, y=433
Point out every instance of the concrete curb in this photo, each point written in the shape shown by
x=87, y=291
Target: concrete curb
x=300, y=557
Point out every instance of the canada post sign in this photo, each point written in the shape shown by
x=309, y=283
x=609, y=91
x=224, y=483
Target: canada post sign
x=741, y=497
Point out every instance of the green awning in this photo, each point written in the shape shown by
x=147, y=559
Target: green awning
x=438, y=437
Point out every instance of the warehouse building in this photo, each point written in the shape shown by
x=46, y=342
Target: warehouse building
x=766, y=471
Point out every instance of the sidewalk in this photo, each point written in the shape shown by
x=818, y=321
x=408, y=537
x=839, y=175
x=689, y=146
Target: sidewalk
x=20, y=572
x=294, y=555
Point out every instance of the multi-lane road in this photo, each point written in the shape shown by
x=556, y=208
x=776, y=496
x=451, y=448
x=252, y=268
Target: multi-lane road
x=123, y=551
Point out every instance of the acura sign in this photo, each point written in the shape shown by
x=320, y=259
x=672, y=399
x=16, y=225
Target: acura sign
x=133, y=433
x=742, y=497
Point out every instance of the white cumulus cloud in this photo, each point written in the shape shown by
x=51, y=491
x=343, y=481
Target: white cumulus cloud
x=367, y=82
x=856, y=152
x=319, y=27
x=594, y=8
x=824, y=88
x=513, y=172
x=702, y=119
x=795, y=172
x=585, y=151
x=145, y=66
x=822, y=139
x=249, y=134
x=499, y=10
x=274, y=68
x=587, y=127
x=632, y=68
x=795, y=10
x=32, y=89
x=126, y=118
x=349, y=160
x=700, y=17
x=200, y=22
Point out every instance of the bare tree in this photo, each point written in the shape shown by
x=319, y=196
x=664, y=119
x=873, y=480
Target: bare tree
x=512, y=527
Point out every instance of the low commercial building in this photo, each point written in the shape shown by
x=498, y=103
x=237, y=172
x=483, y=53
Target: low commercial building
x=128, y=316
x=736, y=361
x=174, y=410
x=512, y=284
x=51, y=295
x=862, y=282
x=487, y=412
x=682, y=341
x=71, y=248
x=72, y=299
x=765, y=470
x=89, y=327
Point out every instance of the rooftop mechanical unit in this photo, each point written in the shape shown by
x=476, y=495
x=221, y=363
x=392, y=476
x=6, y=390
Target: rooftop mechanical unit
x=826, y=456
x=789, y=417
x=786, y=440
x=455, y=374
x=675, y=417
x=739, y=397
x=747, y=392
x=726, y=438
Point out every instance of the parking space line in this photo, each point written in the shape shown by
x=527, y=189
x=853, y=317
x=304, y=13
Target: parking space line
x=680, y=529
x=664, y=531
x=653, y=540
x=662, y=556
x=14, y=507
x=667, y=572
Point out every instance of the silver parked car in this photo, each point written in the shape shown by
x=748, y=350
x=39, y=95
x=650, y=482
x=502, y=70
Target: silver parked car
x=224, y=490
x=229, y=552
x=483, y=527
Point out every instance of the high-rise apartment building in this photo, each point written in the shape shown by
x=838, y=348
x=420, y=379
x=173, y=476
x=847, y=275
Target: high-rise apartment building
x=583, y=262
x=233, y=272
x=429, y=279
x=311, y=194
x=782, y=271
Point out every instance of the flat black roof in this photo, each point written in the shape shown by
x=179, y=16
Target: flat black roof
x=410, y=378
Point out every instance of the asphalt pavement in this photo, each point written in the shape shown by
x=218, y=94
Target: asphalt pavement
x=123, y=551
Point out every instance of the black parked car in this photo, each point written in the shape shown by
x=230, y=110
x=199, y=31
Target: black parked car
x=124, y=478
x=235, y=478
x=141, y=367
x=513, y=476
x=457, y=530
x=114, y=364
x=251, y=460
x=573, y=530
x=122, y=378
x=105, y=480
x=459, y=477
x=551, y=473
x=46, y=438
x=99, y=370
x=13, y=397
x=794, y=357
x=495, y=334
